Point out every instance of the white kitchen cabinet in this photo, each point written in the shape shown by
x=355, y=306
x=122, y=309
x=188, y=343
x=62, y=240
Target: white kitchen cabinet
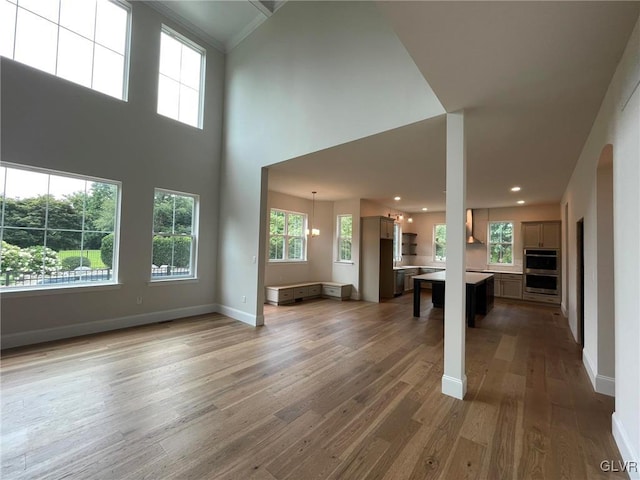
x=386, y=227
x=508, y=285
x=541, y=234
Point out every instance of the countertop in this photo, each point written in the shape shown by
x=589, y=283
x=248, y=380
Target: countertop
x=471, y=278
x=473, y=270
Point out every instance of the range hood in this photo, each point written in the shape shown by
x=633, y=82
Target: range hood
x=471, y=239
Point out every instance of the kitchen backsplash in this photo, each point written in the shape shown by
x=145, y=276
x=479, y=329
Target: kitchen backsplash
x=474, y=262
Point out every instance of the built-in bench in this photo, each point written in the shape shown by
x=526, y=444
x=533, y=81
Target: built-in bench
x=284, y=294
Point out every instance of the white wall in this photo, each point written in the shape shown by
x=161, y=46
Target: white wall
x=618, y=124
x=317, y=74
x=51, y=123
x=476, y=255
x=605, y=353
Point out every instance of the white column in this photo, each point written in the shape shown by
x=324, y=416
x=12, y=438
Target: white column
x=454, y=380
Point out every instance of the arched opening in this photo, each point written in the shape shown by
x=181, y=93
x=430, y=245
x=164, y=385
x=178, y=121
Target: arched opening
x=605, y=273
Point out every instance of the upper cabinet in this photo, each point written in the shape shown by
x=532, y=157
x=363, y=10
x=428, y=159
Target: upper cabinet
x=541, y=234
x=386, y=227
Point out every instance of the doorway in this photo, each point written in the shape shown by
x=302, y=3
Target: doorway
x=580, y=279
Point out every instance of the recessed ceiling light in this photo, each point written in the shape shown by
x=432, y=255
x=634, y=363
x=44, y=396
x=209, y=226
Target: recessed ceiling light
x=520, y=202
x=424, y=209
x=396, y=198
x=515, y=189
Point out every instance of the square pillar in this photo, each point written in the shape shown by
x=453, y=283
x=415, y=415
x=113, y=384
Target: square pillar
x=454, y=380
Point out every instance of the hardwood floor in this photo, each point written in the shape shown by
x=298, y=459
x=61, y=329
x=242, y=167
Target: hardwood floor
x=326, y=389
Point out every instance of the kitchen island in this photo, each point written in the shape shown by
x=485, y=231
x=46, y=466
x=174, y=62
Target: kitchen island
x=479, y=295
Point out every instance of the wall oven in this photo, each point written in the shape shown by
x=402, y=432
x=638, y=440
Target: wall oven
x=542, y=271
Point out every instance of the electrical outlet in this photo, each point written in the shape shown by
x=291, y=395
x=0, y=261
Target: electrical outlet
x=244, y=299
x=139, y=300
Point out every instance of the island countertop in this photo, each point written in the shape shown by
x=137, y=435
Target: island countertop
x=471, y=278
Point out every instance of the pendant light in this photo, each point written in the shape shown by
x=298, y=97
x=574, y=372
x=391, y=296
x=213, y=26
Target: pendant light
x=314, y=231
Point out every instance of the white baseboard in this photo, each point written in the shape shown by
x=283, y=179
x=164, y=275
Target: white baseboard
x=606, y=385
x=254, y=320
x=87, y=328
x=454, y=387
x=600, y=383
x=588, y=366
x=625, y=447
x=563, y=309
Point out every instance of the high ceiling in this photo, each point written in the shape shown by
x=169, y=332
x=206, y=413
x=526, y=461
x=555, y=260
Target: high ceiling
x=530, y=77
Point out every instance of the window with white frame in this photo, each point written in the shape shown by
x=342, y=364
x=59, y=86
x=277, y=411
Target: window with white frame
x=175, y=231
x=345, y=237
x=440, y=242
x=287, y=239
x=83, y=41
x=181, y=78
x=500, y=243
x=57, y=229
x=397, y=242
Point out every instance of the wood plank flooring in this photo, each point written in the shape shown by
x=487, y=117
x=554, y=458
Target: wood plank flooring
x=341, y=390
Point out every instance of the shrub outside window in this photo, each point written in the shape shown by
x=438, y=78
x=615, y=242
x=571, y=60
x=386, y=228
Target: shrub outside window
x=83, y=41
x=174, y=235
x=345, y=237
x=57, y=229
x=440, y=242
x=287, y=239
x=181, y=77
x=500, y=243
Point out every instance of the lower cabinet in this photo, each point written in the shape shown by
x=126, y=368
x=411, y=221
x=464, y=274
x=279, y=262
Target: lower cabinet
x=285, y=294
x=508, y=285
x=409, y=273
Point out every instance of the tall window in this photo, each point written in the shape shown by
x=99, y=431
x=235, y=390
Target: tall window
x=56, y=228
x=84, y=41
x=501, y=243
x=397, y=242
x=287, y=239
x=180, y=92
x=174, y=235
x=440, y=242
x=345, y=236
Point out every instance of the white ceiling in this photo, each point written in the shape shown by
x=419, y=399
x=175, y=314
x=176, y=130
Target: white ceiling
x=223, y=24
x=529, y=75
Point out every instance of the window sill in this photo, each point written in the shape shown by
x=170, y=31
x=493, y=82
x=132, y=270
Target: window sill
x=344, y=262
x=172, y=281
x=287, y=262
x=37, y=292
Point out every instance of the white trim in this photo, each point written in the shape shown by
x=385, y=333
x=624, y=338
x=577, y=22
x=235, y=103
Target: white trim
x=454, y=387
x=624, y=445
x=187, y=25
x=58, y=290
x=588, y=366
x=236, y=39
x=600, y=383
x=87, y=328
x=606, y=385
x=254, y=320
